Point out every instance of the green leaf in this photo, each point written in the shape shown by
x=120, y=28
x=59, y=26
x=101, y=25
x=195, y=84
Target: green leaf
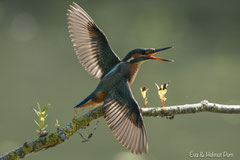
x=38, y=105
x=45, y=116
x=36, y=123
x=45, y=107
x=45, y=127
x=36, y=111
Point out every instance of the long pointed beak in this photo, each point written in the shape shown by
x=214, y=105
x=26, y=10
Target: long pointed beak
x=150, y=55
x=162, y=49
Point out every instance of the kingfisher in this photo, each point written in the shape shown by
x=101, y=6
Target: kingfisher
x=121, y=110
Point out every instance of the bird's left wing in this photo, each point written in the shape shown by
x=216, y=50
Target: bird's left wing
x=90, y=43
x=124, y=119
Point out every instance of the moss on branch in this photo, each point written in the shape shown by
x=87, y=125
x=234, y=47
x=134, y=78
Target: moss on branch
x=64, y=133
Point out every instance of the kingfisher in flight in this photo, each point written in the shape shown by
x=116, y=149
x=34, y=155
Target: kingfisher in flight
x=121, y=110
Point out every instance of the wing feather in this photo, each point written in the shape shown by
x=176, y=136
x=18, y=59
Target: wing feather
x=90, y=43
x=125, y=120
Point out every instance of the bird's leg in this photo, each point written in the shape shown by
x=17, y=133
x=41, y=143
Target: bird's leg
x=90, y=135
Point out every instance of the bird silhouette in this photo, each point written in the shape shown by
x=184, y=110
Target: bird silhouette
x=121, y=110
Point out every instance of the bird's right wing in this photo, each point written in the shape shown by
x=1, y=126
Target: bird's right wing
x=125, y=120
x=90, y=43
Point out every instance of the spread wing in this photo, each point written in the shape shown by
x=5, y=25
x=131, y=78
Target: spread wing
x=125, y=120
x=90, y=43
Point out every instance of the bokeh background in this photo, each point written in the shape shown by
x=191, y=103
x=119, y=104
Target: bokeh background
x=38, y=64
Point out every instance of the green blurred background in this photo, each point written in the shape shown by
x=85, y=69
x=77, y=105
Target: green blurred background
x=38, y=64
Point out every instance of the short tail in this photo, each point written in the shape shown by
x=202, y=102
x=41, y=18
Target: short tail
x=84, y=102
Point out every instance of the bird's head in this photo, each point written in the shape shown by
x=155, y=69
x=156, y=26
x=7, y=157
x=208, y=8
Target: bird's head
x=143, y=54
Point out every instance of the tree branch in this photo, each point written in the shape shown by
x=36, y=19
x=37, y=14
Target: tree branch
x=204, y=106
x=64, y=133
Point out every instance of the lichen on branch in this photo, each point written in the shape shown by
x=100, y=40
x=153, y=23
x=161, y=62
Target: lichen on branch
x=65, y=132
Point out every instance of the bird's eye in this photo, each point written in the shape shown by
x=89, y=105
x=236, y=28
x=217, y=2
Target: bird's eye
x=152, y=49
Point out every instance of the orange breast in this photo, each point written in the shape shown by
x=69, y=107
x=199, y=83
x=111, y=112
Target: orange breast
x=133, y=70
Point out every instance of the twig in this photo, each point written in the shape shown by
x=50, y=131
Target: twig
x=64, y=133
x=90, y=134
